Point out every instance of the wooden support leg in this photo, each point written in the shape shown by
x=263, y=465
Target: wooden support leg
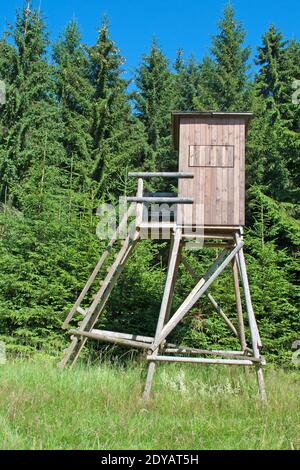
x=93, y=313
x=241, y=328
x=255, y=338
x=165, y=305
x=178, y=261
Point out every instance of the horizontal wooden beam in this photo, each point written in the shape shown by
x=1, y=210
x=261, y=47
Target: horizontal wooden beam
x=201, y=360
x=162, y=200
x=161, y=175
x=208, y=352
x=191, y=236
x=81, y=311
x=158, y=225
x=103, y=336
x=113, y=334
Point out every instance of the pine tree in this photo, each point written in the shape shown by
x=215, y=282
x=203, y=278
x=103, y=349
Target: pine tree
x=224, y=78
x=279, y=67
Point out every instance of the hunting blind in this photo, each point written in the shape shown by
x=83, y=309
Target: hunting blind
x=209, y=209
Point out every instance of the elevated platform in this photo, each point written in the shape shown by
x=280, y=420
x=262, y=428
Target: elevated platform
x=227, y=237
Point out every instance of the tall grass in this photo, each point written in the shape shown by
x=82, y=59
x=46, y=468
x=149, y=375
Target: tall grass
x=99, y=407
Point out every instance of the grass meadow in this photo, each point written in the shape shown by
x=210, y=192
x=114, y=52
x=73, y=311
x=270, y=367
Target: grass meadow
x=99, y=407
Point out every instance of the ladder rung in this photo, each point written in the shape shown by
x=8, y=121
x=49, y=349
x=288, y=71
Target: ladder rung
x=81, y=311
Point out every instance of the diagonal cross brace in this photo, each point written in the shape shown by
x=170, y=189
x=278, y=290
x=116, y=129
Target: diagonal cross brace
x=202, y=286
x=212, y=300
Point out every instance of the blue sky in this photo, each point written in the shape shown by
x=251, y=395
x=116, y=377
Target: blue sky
x=188, y=24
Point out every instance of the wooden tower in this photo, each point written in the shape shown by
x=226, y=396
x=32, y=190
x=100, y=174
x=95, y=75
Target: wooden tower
x=209, y=209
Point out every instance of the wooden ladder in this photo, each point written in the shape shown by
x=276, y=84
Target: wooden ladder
x=92, y=314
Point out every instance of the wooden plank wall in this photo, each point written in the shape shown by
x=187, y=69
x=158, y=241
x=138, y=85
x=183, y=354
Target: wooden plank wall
x=217, y=186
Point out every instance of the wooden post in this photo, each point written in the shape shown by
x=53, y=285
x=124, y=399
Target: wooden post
x=239, y=308
x=178, y=261
x=165, y=307
x=256, y=342
x=139, y=206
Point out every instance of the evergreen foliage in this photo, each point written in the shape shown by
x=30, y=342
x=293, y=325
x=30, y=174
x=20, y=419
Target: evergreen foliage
x=223, y=77
x=69, y=133
x=154, y=100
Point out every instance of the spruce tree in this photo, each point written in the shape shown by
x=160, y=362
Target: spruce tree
x=32, y=127
x=270, y=59
x=75, y=93
x=187, y=81
x=278, y=62
x=116, y=134
x=154, y=100
x=224, y=78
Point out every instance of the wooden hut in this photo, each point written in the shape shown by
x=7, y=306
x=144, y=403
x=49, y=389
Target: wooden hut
x=212, y=147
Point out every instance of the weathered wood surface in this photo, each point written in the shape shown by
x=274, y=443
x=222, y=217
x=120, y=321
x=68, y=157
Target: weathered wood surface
x=251, y=316
x=114, y=338
x=201, y=360
x=165, y=304
x=161, y=200
x=241, y=328
x=113, y=334
x=255, y=337
x=139, y=207
x=100, y=300
x=145, y=175
x=213, y=148
x=207, y=237
x=205, y=352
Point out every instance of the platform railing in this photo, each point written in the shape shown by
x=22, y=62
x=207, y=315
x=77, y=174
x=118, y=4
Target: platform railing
x=176, y=175
x=140, y=199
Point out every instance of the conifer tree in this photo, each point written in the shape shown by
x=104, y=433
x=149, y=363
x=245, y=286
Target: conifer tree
x=269, y=79
x=224, y=76
x=154, y=101
x=74, y=92
x=279, y=61
x=116, y=134
x=187, y=80
x=33, y=130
